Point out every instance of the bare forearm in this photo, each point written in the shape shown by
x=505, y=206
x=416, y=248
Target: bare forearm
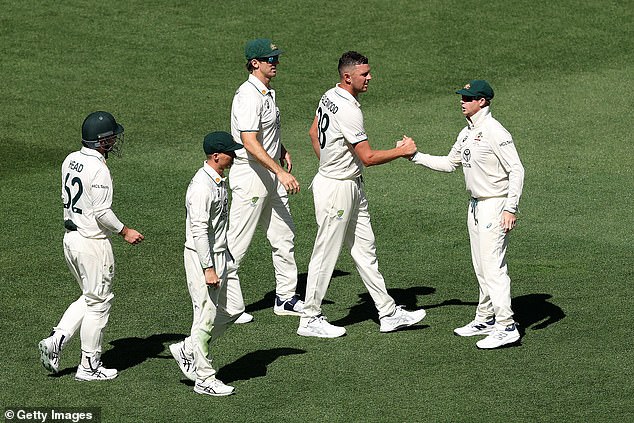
x=377, y=157
x=253, y=146
x=314, y=138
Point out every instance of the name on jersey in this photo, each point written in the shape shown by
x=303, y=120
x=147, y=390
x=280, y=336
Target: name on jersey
x=505, y=143
x=328, y=104
x=77, y=167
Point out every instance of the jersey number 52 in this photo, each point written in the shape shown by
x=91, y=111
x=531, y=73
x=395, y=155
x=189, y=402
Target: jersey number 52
x=72, y=200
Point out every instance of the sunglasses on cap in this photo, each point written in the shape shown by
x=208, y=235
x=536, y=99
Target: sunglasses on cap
x=271, y=59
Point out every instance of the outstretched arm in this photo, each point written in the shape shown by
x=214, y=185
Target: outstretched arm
x=371, y=157
x=447, y=163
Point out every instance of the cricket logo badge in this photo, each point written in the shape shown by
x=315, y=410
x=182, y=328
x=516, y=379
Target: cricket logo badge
x=340, y=214
x=254, y=201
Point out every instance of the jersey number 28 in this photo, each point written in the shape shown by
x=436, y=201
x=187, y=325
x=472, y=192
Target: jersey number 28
x=323, y=121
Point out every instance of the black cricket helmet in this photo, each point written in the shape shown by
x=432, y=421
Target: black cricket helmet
x=101, y=130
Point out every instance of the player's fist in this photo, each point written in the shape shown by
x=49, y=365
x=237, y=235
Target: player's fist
x=211, y=278
x=407, y=146
x=131, y=236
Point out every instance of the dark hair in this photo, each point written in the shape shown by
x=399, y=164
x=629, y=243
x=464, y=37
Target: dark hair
x=351, y=58
x=250, y=67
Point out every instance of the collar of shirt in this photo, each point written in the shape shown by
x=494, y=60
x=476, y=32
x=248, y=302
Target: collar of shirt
x=213, y=174
x=263, y=89
x=92, y=152
x=478, y=118
x=346, y=95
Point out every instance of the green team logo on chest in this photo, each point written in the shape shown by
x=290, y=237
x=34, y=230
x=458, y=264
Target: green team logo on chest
x=340, y=214
x=254, y=201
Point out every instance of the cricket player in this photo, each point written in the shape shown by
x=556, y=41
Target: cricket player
x=340, y=142
x=494, y=177
x=89, y=222
x=216, y=301
x=259, y=183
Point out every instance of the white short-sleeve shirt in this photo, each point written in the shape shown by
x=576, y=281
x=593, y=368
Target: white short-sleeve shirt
x=340, y=126
x=254, y=110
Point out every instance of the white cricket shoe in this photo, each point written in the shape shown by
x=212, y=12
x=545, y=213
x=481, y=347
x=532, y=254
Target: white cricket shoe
x=499, y=337
x=290, y=307
x=213, y=387
x=244, y=318
x=401, y=318
x=476, y=327
x=185, y=361
x=319, y=327
x=50, y=349
x=97, y=372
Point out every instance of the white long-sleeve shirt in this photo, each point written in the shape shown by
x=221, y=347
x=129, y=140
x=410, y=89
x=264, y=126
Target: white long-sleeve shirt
x=490, y=163
x=87, y=194
x=207, y=215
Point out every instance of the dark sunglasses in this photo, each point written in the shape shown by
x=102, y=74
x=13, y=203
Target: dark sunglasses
x=469, y=99
x=271, y=59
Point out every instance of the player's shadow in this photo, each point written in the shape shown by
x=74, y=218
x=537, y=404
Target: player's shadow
x=451, y=302
x=268, y=299
x=129, y=352
x=253, y=364
x=365, y=309
x=535, y=311
x=532, y=311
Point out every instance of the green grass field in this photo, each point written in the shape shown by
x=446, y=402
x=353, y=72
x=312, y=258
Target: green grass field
x=564, y=79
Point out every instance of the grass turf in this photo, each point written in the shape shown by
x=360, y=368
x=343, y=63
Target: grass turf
x=563, y=79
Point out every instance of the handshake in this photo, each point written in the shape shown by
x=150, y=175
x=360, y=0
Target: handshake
x=408, y=147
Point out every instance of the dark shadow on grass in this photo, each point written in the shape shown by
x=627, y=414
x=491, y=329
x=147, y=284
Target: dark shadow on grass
x=64, y=372
x=451, y=302
x=535, y=311
x=253, y=364
x=365, y=309
x=269, y=298
x=129, y=352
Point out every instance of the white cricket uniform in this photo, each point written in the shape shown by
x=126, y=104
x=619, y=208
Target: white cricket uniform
x=215, y=309
x=258, y=198
x=87, y=199
x=341, y=207
x=494, y=177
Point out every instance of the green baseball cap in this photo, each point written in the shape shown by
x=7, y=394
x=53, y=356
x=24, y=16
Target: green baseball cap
x=220, y=142
x=477, y=88
x=261, y=47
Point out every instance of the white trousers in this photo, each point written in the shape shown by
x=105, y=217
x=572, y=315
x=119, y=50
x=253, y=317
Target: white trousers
x=91, y=262
x=341, y=210
x=488, y=253
x=258, y=199
x=214, y=309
